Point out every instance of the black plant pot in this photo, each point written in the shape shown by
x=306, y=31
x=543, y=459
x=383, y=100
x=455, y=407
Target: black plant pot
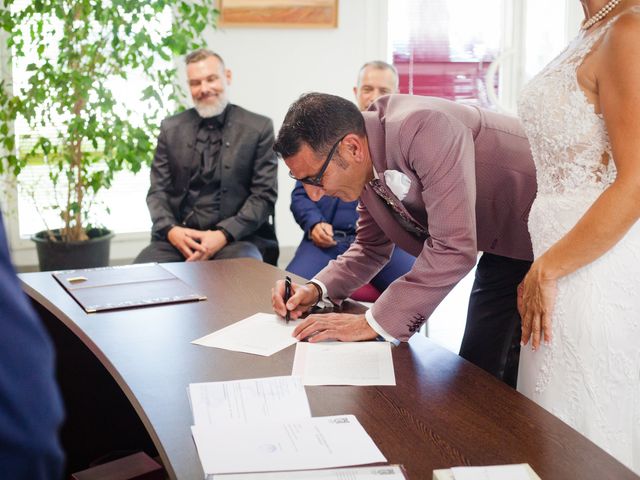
x=70, y=255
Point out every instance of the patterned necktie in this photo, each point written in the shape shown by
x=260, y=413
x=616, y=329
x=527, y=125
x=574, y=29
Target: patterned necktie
x=398, y=210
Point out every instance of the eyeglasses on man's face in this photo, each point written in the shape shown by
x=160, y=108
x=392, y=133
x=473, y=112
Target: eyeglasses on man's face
x=316, y=180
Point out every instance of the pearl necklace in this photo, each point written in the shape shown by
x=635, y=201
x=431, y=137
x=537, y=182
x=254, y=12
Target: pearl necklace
x=600, y=14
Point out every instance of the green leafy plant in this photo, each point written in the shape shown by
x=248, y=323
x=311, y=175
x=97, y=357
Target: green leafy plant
x=82, y=128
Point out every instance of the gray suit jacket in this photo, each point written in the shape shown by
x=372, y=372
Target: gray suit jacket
x=472, y=184
x=248, y=178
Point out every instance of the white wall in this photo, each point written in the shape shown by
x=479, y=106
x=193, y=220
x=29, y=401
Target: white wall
x=272, y=66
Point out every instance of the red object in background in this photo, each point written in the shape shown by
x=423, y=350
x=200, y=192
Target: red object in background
x=446, y=79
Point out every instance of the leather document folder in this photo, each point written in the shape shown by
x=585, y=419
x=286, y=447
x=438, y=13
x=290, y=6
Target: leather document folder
x=110, y=288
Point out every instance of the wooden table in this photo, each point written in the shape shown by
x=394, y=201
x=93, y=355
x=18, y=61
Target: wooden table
x=443, y=411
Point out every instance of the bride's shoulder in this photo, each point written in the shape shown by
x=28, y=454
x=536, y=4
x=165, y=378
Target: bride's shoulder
x=623, y=38
x=626, y=23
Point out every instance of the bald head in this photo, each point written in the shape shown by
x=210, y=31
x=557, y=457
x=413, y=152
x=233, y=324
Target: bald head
x=375, y=80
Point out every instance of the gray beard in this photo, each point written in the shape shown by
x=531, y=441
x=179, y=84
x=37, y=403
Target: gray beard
x=208, y=111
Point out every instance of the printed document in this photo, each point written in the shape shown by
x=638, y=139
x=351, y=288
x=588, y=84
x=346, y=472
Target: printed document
x=384, y=472
x=298, y=444
x=344, y=363
x=247, y=401
x=261, y=334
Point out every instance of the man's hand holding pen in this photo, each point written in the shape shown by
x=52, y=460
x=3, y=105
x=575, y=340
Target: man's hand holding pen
x=302, y=298
x=326, y=326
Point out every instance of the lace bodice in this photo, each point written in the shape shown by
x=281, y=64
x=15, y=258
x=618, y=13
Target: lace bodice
x=568, y=138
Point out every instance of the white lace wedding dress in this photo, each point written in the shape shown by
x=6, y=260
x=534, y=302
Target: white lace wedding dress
x=589, y=376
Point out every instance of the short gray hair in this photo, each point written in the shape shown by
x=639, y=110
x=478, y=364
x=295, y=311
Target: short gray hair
x=202, y=54
x=380, y=65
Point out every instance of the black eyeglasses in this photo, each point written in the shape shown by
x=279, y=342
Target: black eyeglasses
x=316, y=180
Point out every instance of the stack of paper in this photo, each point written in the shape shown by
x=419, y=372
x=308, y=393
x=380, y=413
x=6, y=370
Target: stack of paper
x=265, y=425
x=522, y=471
x=385, y=472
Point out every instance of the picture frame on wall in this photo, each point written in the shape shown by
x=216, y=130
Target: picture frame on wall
x=278, y=13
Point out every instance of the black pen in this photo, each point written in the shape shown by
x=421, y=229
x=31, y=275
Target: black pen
x=287, y=296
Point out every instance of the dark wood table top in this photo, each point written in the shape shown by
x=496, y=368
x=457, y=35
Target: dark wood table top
x=443, y=412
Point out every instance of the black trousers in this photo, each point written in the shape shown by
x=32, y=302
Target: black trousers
x=492, y=334
x=162, y=251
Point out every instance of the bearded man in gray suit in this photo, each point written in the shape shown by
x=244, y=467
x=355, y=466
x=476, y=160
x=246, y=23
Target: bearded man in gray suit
x=213, y=177
x=441, y=180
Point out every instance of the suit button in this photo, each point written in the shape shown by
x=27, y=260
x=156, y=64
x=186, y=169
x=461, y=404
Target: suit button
x=227, y=166
x=227, y=144
x=224, y=190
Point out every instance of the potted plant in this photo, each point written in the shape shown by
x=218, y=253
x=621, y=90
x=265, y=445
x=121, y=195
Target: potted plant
x=80, y=126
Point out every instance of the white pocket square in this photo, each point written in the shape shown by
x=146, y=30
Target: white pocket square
x=397, y=182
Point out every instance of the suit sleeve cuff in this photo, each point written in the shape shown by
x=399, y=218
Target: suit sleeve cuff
x=325, y=301
x=378, y=329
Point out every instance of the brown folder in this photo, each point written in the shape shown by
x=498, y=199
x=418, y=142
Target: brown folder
x=109, y=288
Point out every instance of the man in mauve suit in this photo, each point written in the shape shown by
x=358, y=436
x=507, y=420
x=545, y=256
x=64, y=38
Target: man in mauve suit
x=441, y=180
x=330, y=223
x=214, y=176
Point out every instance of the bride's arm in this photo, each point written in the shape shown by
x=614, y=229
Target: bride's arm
x=618, y=207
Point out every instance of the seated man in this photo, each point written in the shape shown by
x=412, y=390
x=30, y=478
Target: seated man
x=330, y=223
x=213, y=177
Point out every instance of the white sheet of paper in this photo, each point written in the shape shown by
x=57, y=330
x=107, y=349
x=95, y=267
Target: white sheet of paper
x=385, y=472
x=344, y=363
x=300, y=444
x=246, y=401
x=261, y=334
x=496, y=472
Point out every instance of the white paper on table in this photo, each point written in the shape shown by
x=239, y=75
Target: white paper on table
x=344, y=363
x=261, y=334
x=300, y=444
x=245, y=401
x=495, y=472
x=385, y=472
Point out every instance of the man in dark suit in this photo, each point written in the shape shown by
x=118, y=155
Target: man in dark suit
x=30, y=404
x=441, y=180
x=213, y=177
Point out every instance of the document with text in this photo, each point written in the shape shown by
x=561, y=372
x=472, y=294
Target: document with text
x=300, y=444
x=344, y=363
x=247, y=401
x=260, y=334
x=384, y=472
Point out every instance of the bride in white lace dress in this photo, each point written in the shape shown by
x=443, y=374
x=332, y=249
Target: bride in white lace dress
x=580, y=302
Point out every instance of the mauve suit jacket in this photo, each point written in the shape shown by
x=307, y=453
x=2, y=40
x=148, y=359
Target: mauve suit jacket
x=248, y=178
x=472, y=184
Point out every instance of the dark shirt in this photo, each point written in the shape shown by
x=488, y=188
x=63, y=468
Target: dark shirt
x=30, y=404
x=201, y=209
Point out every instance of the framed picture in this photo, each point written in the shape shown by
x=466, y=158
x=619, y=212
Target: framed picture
x=279, y=13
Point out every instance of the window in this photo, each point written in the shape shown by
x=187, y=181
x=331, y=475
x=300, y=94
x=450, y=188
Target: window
x=447, y=48
x=122, y=208
x=443, y=48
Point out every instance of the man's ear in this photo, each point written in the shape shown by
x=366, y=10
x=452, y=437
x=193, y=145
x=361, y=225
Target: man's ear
x=227, y=74
x=355, y=145
x=355, y=92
